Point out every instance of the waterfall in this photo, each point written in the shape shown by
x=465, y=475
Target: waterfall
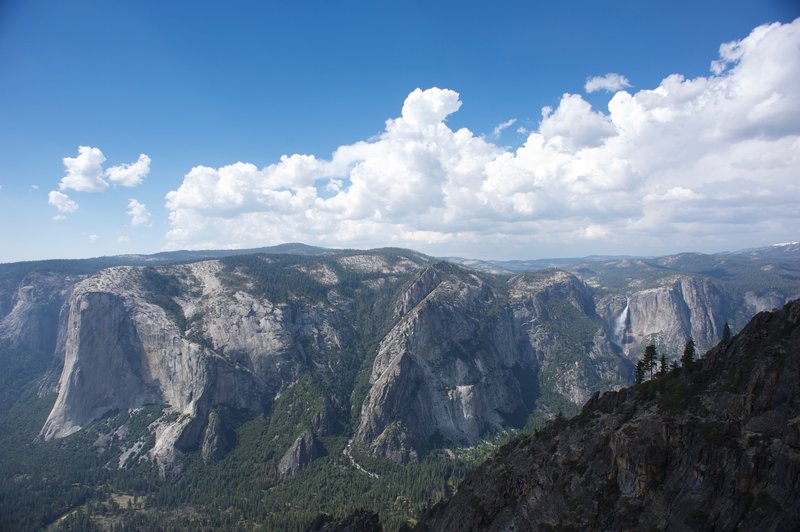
x=621, y=325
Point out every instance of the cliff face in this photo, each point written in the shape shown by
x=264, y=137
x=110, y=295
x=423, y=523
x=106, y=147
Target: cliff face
x=103, y=366
x=681, y=307
x=414, y=354
x=304, y=449
x=446, y=373
x=557, y=322
x=466, y=359
x=717, y=448
x=33, y=311
x=175, y=336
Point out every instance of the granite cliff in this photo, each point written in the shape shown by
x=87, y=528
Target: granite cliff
x=713, y=448
x=403, y=353
x=680, y=307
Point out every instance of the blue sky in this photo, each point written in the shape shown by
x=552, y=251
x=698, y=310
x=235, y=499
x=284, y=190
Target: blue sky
x=206, y=85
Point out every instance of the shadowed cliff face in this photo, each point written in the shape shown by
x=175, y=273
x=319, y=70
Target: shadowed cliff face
x=446, y=372
x=717, y=448
x=412, y=353
x=467, y=359
x=557, y=321
x=33, y=311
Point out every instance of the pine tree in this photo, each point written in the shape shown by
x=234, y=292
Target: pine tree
x=687, y=360
x=726, y=333
x=639, y=371
x=663, y=364
x=650, y=357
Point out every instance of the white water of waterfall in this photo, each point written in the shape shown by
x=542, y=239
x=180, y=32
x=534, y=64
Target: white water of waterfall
x=621, y=325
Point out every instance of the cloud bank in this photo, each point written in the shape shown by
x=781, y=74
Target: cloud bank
x=706, y=162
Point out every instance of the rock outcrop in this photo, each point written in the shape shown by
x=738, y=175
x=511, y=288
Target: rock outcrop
x=717, y=448
x=301, y=453
x=445, y=373
x=218, y=438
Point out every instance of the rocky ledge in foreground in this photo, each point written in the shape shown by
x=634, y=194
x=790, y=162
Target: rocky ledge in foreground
x=716, y=448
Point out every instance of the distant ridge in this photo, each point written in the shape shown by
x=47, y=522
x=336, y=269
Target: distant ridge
x=785, y=250
x=684, y=261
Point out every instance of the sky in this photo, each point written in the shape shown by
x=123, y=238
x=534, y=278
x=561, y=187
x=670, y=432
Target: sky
x=503, y=130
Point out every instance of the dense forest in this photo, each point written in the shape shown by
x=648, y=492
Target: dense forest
x=78, y=483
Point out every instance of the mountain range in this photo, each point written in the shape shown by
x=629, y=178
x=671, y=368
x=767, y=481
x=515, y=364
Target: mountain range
x=383, y=354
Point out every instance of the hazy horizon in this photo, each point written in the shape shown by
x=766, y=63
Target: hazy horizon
x=468, y=257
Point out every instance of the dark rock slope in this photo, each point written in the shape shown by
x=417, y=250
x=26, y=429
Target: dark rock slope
x=717, y=448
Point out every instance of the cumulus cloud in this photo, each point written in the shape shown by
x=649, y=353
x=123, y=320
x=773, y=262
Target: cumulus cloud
x=430, y=107
x=61, y=201
x=138, y=212
x=85, y=172
x=130, y=175
x=574, y=125
x=610, y=82
x=701, y=161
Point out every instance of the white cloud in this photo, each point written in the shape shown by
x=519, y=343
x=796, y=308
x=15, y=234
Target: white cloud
x=61, y=201
x=674, y=194
x=691, y=162
x=84, y=172
x=574, y=125
x=123, y=239
x=500, y=127
x=138, y=212
x=130, y=175
x=93, y=238
x=430, y=107
x=610, y=82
